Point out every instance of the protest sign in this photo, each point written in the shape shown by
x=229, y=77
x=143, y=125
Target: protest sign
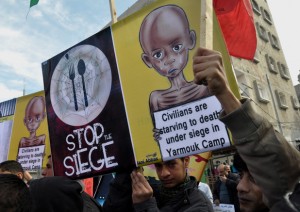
x=29, y=142
x=106, y=96
x=191, y=128
x=86, y=113
x=223, y=208
x=7, y=110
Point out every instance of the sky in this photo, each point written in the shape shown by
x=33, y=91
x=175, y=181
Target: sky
x=53, y=26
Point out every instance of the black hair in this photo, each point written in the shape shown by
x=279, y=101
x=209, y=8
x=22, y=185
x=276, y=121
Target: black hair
x=11, y=166
x=239, y=163
x=14, y=194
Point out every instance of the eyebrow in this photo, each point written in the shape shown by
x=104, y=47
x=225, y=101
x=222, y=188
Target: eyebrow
x=176, y=40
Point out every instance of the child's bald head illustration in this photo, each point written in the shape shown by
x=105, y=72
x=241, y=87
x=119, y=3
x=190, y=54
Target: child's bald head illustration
x=34, y=113
x=166, y=38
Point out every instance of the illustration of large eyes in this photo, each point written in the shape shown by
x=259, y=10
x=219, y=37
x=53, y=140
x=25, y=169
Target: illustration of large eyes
x=29, y=120
x=158, y=55
x=38, y=118
x=177, y=47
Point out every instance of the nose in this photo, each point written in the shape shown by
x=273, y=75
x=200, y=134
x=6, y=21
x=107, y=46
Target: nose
x=243, y=185
x=165, y=171
x=44, y=172
x=169, y=61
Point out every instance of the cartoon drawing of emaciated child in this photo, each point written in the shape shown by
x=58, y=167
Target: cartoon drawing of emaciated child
x=34, y=115
x=166, y=39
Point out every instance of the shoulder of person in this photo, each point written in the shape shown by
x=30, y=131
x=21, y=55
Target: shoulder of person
x=90, y=204
x=233, y=176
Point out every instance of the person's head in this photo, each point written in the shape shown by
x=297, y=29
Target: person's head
x=227, y=168
x=173, y=172
x=221, y=170
x=12, y=167
x=14, y=194
x=249, y=193
x=56, y=194
x=48, y=170
x=166, y=39
x=34, y=113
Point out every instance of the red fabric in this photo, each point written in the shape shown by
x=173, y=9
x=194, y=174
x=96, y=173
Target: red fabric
x=236, y=21
x=88, y=186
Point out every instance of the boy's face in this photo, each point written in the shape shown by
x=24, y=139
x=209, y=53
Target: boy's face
x=173, y=172
x=34, y=115
x=166, y=41
x=48, y=171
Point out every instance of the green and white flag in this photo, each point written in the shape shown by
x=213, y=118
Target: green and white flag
x=33, y=2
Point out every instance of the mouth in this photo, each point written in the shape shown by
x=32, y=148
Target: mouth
x=167, y=182
x=243, y=200
x=171, y=71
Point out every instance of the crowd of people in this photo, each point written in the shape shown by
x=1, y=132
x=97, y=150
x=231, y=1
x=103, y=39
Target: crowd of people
x=268, y=180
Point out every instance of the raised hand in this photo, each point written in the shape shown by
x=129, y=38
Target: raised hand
x=208, y=68
x=141, y=190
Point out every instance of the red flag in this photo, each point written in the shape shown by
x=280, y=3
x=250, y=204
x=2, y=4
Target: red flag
x=88, y=186
x=236, y=21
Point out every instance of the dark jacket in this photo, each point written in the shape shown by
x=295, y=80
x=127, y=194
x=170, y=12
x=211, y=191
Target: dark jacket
x=271, y=160
x=119, y=198
x=231, y=184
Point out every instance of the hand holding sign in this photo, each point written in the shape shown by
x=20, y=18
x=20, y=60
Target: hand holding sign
x=208, y=65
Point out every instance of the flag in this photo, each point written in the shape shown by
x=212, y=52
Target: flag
x=33, y=2
x=236, y=21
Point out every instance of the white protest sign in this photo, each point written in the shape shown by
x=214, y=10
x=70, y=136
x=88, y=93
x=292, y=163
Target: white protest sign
x=223, y=208
x=191, y=129
x=31, y=157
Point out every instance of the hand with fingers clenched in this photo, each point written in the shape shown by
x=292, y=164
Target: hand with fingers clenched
x=208, y=70
x=141, y=189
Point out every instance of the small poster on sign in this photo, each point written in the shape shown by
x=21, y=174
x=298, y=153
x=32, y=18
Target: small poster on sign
x=224, y=208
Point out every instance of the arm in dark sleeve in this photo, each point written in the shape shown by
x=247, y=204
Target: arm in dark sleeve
x=271, y=160
x=119, y=196
x=216, y=192
x=232, y=181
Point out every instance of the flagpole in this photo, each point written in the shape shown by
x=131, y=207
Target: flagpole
x=206, y=41
x=113, y=11
x=206, y=24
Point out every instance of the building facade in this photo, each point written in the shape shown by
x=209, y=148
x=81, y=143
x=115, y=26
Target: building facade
x=266, y=79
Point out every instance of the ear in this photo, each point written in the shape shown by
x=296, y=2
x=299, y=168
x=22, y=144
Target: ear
x=146, y=60
x=24, y=121
x=192, y=39
x=44, y=115
x=186, y=162
x=20, y=175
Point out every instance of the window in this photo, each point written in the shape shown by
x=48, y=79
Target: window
x=242, y=83
x=266, y=15
x=256, y=58
x=274, y=41
x=262, y=33
x=295, y=102
x=271, y=64
x=281, y=100
x=283, y=71
x=261, y=92
x=255, y=7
